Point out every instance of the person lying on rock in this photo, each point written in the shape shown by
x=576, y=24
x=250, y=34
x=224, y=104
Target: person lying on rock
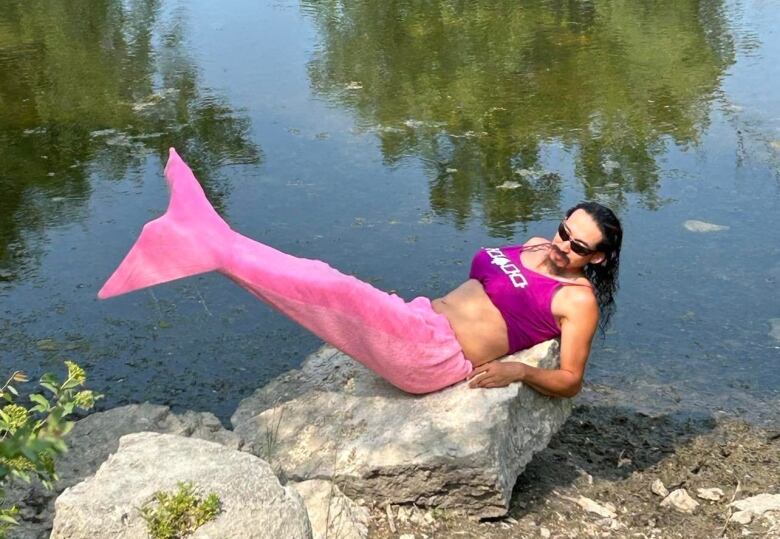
x=515, y=297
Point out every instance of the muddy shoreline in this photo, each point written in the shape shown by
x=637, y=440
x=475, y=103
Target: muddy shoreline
x=612, y=455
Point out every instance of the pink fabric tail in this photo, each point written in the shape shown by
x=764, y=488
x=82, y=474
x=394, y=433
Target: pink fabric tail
x=408, y=344
x=179, y=244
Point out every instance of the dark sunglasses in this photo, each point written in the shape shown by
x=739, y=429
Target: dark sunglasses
x=576, y=245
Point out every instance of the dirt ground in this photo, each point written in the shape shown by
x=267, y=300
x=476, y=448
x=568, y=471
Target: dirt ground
x=613, y=456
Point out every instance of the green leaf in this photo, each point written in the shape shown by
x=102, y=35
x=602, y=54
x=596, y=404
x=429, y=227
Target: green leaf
x=8, y=518
x=51, y=387
x=50, y=378
x=42, y=401
x=70, y=384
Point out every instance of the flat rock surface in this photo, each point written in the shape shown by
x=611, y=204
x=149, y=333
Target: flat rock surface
x=331, y=514
x=254, y=504
x=92, y=440
x=459, y=448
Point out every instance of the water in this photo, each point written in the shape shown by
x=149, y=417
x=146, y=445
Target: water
x=391, y=140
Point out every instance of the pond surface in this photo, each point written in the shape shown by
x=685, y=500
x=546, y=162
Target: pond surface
x=392, y=140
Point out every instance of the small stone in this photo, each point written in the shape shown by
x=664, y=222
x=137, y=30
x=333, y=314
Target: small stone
x=742, y=517
x=681, y=501
x=712, y=494
x=544, y=532
x=693, y=225
x=658, y=488
x=607, y=510
x=406, y=536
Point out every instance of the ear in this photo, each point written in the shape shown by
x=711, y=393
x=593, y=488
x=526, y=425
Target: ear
x=598, y=258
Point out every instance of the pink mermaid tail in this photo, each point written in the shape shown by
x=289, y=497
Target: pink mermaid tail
x=408, y=344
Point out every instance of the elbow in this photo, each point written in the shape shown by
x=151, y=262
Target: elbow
x=572, y=389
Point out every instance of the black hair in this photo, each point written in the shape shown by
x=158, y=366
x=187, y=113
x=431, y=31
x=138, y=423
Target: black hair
x=604, y=275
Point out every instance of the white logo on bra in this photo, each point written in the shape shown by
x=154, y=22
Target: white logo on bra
x=498, y=258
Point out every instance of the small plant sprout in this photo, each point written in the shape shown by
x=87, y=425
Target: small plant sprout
x=173, y=515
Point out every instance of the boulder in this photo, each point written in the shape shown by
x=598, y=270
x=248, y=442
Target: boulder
x=91, y=441
x=253, y=503
x=332, y=514
x=459, y=448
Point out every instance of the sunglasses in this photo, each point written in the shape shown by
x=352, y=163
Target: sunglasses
x=576, y=245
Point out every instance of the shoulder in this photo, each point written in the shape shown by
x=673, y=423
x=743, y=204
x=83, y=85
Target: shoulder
x=579, y=296
x=577, y=302
x=537, y=240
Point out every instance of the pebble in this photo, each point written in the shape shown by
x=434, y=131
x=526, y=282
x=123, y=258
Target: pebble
x=681, y=501
x=658, y=488
x=712, y=494
x=607, y=510
x=544, y=532
x=702, y=226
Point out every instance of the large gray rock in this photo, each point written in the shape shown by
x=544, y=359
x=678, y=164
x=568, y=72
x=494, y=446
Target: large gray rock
x=459, y=448
x=254, y=504
x=90, y=443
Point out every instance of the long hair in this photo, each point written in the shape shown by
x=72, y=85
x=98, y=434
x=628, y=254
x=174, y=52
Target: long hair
x=604, y=276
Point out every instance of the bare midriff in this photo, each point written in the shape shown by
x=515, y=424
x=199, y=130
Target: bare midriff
x=477, y=323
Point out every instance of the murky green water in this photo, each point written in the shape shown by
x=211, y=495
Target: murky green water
x=391, y=139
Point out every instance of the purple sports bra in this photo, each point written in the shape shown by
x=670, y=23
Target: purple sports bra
x=522, y=296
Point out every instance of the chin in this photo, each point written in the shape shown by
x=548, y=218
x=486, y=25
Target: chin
x=556, y=266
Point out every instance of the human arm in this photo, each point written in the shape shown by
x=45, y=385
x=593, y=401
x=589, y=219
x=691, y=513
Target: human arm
x=578, y=312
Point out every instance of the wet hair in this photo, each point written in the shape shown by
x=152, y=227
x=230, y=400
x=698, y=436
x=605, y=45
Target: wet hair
x=604, y=275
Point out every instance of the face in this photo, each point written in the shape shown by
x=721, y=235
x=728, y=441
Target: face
x=579, y=249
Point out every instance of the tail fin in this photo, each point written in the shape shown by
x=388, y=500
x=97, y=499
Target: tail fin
x=186, y=240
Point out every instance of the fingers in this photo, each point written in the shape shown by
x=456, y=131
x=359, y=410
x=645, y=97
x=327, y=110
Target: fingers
x=481, y=381
x=479, y=370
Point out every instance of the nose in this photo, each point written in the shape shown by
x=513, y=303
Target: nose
x=564, y=245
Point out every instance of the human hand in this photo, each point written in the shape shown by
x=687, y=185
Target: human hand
x=496, y=374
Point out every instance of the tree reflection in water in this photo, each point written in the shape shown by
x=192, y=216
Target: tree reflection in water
x=93, y=87
x=478, y=91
